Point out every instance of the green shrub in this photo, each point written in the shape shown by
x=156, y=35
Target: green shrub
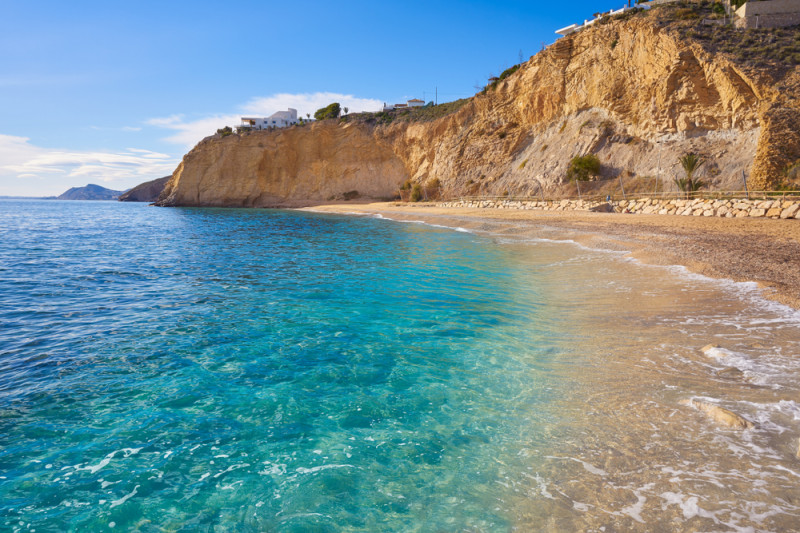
x=614, y=44
x=331, y=111
x=433, y=189
x=687, y=186
x=793, y=172
x=686, y=13
x=581, y=168
x=691, y=163
x=416, y=193
x=225, y=131
x=351, y=195
x=509, y=71
x=522, y=165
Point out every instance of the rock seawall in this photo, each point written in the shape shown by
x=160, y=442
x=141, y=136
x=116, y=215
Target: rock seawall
x=728, y=208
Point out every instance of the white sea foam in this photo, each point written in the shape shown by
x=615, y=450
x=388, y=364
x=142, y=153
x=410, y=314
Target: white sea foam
x=586, y=466
x=312, y=470
x=125, y=498
x=231, y=469
x=769, y=369
x=635, y=510
x=93, y=469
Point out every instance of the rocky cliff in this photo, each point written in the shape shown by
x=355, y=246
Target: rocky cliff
x=148, y=191
x=636, y=92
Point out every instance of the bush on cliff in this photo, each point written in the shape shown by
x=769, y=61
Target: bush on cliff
x=225, y=131
x=331, y=111
x=583, y=167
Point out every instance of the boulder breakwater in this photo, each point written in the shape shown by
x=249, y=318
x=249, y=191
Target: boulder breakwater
x=780, y=208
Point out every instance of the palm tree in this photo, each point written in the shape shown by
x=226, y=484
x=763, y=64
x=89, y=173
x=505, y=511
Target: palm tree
x=308, y=116
x=346, y=110
x=691, y=163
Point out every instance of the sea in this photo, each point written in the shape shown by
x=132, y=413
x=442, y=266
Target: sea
x=187, y=369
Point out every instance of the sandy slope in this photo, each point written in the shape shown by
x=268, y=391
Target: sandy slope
x=763, y=250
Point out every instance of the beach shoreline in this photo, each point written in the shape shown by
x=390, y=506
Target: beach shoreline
x=764, y=251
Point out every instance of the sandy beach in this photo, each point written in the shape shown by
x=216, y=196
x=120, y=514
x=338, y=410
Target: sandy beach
x=765, y=251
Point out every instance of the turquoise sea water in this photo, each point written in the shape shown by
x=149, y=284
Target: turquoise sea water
x=256, y=370
x=275, y=370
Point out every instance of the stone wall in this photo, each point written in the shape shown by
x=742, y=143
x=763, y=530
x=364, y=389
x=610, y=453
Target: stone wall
x=772, y=14
x=730, y=208
x=768, y=21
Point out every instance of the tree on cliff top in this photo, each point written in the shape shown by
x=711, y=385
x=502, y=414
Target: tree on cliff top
x=331, y=111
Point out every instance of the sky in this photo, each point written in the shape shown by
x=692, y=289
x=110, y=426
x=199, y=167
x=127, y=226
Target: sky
x=116, y=92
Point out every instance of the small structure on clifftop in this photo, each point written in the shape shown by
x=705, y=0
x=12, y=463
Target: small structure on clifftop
x=768, y=14
x=281, y=119
x=414, y=102
x=572, y=28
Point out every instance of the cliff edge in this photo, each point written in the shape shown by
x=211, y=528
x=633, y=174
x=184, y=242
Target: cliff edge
x=634, y=90
x=148, y=191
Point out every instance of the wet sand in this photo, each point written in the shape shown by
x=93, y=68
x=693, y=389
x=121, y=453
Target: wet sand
x=765, y=251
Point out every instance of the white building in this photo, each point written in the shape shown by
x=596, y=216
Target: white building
x=572, y=28
x=281, y=119
x=414, y=102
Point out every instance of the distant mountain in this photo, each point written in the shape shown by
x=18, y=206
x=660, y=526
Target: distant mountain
x=90, y=192
x=145, y=192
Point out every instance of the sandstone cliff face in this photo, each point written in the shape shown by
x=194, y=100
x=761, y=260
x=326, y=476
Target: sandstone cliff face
x=288, y=167
x=148, y=191
x=634, y=93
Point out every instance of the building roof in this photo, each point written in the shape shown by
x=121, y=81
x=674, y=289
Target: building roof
x=416, y=100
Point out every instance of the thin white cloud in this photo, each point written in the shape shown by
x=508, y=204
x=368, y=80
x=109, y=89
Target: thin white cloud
x=190, y=132
x=124, y=128
x=187, y=134
x=51, y=171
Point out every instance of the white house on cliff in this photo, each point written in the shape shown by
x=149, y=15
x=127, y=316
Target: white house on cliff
x=281, y=119
x=414, y=102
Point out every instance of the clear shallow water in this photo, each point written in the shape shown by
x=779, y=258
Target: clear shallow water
x=204, y=369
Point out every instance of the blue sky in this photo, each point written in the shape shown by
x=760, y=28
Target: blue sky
x=115, y=93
